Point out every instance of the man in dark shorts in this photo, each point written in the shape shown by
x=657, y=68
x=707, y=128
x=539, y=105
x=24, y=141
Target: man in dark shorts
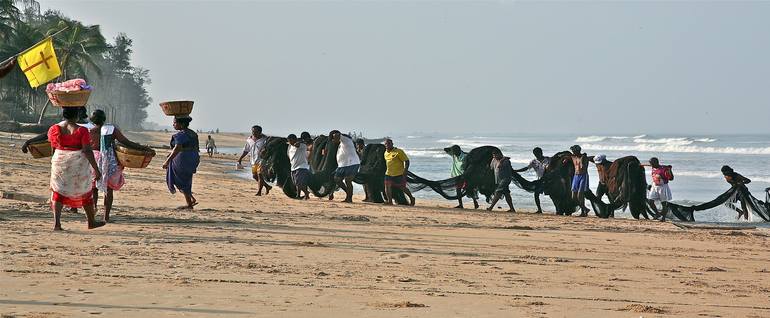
x=539, y=164
x=503, y=175
x=347, y=163
x=300, y=169
x=397, y=164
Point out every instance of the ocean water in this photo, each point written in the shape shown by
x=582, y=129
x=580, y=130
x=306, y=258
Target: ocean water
x=696, y=161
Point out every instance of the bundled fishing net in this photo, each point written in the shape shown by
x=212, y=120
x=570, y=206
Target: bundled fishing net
x=276, y=167
x=477, y=176
x=728, y=199
x=323, y=162
x=626, y=188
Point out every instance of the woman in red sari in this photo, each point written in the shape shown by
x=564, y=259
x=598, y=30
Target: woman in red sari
x=71, y=168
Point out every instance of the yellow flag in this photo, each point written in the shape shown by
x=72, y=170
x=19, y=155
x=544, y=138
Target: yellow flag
x=39, y=63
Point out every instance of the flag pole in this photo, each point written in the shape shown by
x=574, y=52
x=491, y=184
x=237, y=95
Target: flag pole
x=36, y=44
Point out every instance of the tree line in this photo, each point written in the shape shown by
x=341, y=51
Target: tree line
x=120, y=88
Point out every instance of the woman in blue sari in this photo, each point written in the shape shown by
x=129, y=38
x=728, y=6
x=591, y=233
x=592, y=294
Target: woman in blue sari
x=183, y=161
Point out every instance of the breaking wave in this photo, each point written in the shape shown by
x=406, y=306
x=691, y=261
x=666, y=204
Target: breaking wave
x=680, y=148
x=642, y=139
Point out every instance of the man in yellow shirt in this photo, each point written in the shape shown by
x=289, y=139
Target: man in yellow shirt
x=397, y=164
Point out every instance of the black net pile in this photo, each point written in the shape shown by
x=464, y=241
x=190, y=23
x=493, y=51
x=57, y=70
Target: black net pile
x=557, y=181
x=729, y=199
x=626, y=188
x=276, y=168
x=477, y=177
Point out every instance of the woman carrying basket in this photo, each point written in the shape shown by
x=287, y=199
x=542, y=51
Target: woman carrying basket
x=112, y=171
x=183, y=161
x=71, y=168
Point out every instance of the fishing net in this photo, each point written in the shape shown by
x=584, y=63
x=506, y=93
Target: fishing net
x=728, y=199
x=276, y=167
x=477, y=177
x=626, y=188
x=323, y=163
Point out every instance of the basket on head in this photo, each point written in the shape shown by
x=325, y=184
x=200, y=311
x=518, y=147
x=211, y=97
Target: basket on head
x=177, y=108
x=40, y=149
x=132, y=158
x=69, y=99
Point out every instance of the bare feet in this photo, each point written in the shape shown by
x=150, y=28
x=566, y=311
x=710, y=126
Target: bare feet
x=267, y=190
x=539, y=212
x=96, y=224
x=459, y=207
x=258, y=194
x=489, y=209
x=512, y=210
x=57, y=228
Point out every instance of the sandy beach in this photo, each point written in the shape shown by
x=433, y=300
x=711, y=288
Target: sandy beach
x=242, y=255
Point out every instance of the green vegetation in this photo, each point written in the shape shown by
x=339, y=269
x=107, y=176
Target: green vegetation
x=83, y=52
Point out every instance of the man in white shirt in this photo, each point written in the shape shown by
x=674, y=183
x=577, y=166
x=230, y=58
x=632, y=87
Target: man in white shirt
x=539, y=164
x=254, y=145
x=300, y=169
x=347, y=163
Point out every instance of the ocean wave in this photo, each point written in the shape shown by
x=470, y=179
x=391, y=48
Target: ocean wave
x=642, y=139
x=603, y=138
x=675, y=141
x=678, y=148
x=463, y=142
x=715, y=175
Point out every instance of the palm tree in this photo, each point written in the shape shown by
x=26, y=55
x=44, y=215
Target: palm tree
x=17, y=91
x=9, y=17
x=78, y=47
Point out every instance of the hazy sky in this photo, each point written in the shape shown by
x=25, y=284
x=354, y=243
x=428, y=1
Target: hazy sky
x=452, y=66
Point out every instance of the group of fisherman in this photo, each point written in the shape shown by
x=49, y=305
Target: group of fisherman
x=84, y=162
x=397, y=162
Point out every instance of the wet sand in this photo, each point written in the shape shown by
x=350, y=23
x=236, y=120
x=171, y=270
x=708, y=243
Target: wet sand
x=242, y=255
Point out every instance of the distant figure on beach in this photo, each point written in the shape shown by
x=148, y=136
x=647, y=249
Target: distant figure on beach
x=253, y=147
x=397, y=167
x=360, y=146
x=458, y=158
x=300, y=169
x=112, y=172
x=503, y=175
x=659, y=190
x=580, y=182
x=737, y=180
x=183, y=161
x=347, y=163
x=211, y=146
x=73, y=168
x=602, y=169
x=539, y=164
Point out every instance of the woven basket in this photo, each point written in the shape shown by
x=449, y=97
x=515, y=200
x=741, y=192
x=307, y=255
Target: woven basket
x=177, y=108
x=133, y=158
x=69, y=99
x=40, y=149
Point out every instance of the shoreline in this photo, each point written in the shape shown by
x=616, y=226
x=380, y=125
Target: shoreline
x=238, y=254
